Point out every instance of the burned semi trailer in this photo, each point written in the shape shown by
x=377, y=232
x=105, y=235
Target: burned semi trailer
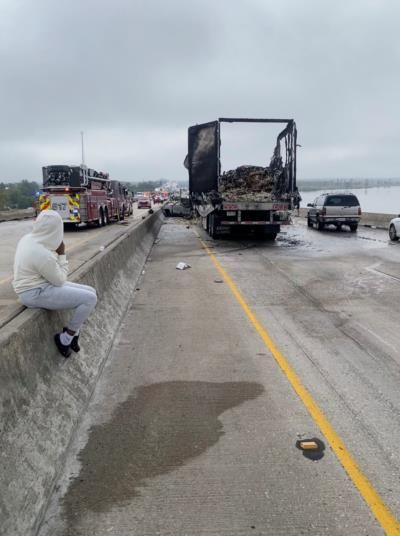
x=251, y=197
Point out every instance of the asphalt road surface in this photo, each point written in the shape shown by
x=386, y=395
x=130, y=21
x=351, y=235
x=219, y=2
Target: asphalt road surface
x=81, y=246
x=219, y=370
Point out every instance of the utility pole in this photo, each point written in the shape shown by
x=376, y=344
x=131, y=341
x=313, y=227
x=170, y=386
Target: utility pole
x=83, y=149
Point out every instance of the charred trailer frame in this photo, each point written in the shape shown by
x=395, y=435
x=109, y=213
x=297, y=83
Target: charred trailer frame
x=204, y=166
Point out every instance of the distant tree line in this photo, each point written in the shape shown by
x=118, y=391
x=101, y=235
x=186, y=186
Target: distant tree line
x=17, y=194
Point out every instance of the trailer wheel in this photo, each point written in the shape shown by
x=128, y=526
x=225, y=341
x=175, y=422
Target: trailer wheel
x=213, y=228
x=271, y=236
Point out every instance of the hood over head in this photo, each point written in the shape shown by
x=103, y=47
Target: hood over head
x=48, y=229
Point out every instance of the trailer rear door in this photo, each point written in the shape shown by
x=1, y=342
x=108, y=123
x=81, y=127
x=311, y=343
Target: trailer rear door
x=203, y=157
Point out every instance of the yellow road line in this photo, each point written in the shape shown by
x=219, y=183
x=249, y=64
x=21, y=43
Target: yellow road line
x=381, y=512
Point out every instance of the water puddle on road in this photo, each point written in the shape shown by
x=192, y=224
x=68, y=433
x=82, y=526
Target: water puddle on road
x=155, y=431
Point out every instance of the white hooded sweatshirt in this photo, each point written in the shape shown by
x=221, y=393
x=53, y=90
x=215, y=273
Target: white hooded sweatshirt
x=36, y=262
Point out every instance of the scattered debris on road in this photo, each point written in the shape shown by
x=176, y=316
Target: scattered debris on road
x=182, y=266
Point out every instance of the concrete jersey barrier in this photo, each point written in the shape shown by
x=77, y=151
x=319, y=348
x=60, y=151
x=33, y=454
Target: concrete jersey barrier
x=17, y=214
x=373, y=219
x=368, y=219
x=43, y=395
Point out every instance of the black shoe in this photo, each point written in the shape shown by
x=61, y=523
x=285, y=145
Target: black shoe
x=74, y=343
x=64, y=350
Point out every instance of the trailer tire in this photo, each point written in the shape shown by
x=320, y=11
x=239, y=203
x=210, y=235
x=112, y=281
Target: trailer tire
x=353, y=227
x=309, y=222
x=213, y=228
x=271, y=236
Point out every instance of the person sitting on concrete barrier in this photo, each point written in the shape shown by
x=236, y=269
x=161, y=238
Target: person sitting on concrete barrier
x=40, y=278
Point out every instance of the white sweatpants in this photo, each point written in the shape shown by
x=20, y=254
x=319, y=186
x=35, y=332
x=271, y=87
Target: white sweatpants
x=81, y=298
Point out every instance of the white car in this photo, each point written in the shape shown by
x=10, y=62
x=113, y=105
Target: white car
x=394, y=229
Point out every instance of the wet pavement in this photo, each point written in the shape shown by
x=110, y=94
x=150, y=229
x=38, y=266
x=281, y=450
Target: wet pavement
x=193, y=426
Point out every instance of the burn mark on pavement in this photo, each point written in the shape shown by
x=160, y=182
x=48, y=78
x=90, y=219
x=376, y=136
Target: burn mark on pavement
x=290, y=241
x=153, y=432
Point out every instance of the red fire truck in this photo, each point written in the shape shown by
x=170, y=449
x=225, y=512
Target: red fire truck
x=124, y=198
x=83, y=196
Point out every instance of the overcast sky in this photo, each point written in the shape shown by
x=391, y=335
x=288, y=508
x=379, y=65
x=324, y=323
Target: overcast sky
x=134, y=74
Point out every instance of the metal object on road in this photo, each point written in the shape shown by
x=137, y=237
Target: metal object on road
x=308, y=445
x=313, y=448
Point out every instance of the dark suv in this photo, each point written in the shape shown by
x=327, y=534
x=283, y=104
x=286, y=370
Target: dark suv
x=337, y=209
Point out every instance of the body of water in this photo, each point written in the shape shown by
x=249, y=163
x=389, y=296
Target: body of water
x=383, y=200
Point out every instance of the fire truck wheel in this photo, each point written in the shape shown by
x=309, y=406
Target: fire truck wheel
x=122, y=215
x=101, y=218
x=106, y=220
